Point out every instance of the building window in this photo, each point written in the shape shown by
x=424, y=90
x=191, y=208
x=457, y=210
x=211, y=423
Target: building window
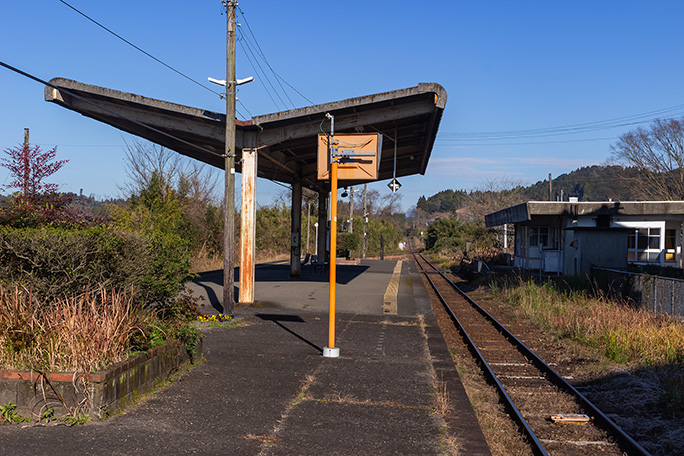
x=643, y=244
x=670, y=245
x=544, y=236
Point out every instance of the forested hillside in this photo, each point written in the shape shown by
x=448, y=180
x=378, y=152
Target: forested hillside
x=591, y=183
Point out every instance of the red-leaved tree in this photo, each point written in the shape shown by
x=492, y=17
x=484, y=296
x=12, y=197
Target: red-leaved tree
x=29, y=166
x=37, y=202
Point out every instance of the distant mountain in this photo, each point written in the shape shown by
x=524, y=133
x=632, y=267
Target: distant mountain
x=591, y=183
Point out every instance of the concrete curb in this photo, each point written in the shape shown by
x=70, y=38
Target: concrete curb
x=96, y=394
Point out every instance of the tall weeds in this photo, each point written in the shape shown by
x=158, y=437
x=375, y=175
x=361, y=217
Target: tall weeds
x=81, y=334
x=625, y=334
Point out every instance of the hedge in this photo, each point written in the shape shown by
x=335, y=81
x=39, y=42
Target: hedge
x=58, y=262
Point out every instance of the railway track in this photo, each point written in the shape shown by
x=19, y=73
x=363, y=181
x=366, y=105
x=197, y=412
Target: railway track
x=555, y=418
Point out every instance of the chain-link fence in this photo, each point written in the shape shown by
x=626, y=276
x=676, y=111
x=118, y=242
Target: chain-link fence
x=644, y=291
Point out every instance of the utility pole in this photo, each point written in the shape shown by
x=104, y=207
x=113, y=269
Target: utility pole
x=351, y=209
x=26, y=161
x=229, y=156
x=550, y=188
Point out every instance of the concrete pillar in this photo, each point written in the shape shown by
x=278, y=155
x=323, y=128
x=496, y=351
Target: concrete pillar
x=322, y=226
x=296, y=236
x=248, y=225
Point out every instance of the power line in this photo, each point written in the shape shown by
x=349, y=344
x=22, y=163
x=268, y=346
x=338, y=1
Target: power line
x=618, y=122
x=245, y=108
x=452, y=140
x=278, y=77
x=244, y=42
x=297, y=91
x=254, y=67
x=263, y=56
x=141, y=50
x=221, y=95
x=110, y=111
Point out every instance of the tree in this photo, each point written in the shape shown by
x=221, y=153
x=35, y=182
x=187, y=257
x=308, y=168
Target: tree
x=29, y=166
x=166, y=191
x=492, y=196
x=658, y=153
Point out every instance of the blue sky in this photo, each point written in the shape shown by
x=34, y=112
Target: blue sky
x=506, y=66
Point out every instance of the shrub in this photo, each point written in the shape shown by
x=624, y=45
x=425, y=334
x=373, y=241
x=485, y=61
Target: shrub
x=347, y=243
x=58, y=262
x=378, y=229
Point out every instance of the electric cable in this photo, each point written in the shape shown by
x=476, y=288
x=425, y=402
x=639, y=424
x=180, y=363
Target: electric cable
x=263, y=56
x=451, y=140
x=631, y=120
x=279, y=78
x=141, y=50
x=261, y=80
x=245, y=43
x=110, y=111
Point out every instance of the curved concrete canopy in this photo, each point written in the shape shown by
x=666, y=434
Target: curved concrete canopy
x=287, y=140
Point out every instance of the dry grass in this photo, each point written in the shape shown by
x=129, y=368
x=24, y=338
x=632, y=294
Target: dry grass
x=442, y=403
x=625, y=334
x=81, y=334
x=265, y=439
x=204, y=260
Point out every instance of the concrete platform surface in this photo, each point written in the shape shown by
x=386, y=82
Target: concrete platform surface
x=266, y=389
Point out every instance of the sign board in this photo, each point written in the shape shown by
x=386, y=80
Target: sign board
x=361, y=168
x=394, y=185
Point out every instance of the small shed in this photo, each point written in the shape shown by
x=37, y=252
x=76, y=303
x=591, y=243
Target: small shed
x=569, y=237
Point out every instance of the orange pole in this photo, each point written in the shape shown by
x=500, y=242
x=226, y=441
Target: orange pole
x=333, y=253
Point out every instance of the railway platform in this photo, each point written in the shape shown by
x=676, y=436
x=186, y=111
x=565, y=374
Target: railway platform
x=266, y=389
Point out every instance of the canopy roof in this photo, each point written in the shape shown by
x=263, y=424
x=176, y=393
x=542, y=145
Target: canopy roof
x=287, y=140
x=523, y=212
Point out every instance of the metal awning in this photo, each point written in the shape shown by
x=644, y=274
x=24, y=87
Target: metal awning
x=287, y=140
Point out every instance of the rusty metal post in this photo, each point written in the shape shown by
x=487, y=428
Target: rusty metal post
x=296, y=231
x=248, y=225
x=322, y=226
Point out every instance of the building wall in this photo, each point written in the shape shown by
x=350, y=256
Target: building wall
x=586, y=248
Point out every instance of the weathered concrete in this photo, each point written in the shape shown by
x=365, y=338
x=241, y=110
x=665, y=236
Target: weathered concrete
x=266, y=389
x=96, y=394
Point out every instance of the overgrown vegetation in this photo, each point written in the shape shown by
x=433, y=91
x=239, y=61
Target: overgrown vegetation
x=85, y=333
x=589, y=183
x=79, y=292
x=624, y=334
x=60, y=262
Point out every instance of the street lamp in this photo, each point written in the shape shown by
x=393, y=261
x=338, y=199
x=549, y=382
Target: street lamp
x=350, y=194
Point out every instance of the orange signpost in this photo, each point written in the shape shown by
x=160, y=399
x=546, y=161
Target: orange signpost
x=365, y=149
x=351, y=156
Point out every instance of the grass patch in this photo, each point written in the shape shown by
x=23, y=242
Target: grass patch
x=624, y=334
x=87, y=333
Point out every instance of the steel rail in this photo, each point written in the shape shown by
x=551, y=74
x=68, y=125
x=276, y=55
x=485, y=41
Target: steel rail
x=536, y=444
x=626, y=442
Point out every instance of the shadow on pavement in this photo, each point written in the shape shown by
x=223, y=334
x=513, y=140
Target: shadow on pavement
x=277, y=319
x=281, y=272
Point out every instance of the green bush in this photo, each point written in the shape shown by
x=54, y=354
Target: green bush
x=59, y=262
x=347, y=243
x=386, y=230
x=451, y=235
